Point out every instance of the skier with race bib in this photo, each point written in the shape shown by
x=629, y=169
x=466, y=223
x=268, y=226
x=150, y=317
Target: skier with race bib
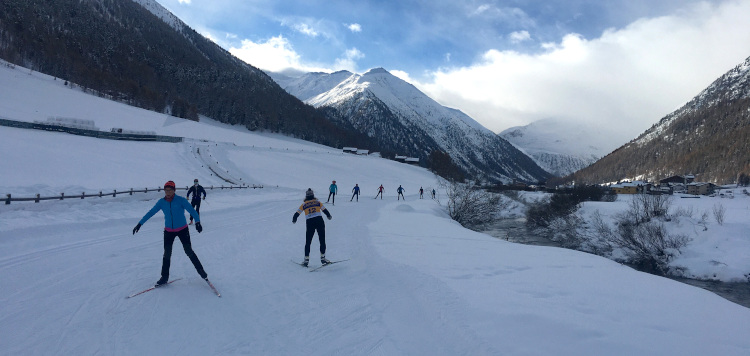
x=313, y=210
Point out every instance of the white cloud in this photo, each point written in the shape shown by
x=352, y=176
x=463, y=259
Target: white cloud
x=305, y=29
x=519, y=36
x=274, y=55
x=402, y=75
x=482, y=8
x=184, y=1
x=626, y=79
x=349, y=60
x=355, y=27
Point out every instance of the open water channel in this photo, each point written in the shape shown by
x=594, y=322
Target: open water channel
x=514, y=230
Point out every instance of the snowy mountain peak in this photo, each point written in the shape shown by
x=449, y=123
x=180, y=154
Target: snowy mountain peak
x=559, y=147
x=377, y=71
x=379, y=103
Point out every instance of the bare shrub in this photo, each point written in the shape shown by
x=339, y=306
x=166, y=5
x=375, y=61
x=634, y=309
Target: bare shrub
x=719, y=211
x=645, y=241
x=564, y=230
x=513, y=194
x=685, y=211
x=470, y=205
x=704, y=220
x=643, y=206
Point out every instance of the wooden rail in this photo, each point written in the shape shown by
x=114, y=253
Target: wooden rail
x=114, y=193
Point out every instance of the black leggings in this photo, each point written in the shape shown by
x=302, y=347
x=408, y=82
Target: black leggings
x=197, y=206
x=184, y=236
x=313, y=224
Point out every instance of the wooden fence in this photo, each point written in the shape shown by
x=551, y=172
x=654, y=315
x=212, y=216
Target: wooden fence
x=114, y=193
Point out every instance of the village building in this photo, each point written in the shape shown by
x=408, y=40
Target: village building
x=630, y=187
x=686, y=179
x=701, y=188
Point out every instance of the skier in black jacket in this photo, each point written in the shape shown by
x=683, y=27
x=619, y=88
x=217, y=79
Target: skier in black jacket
x=313, y=208
x=196, y=189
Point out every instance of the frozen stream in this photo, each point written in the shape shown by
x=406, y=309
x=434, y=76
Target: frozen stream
x=514, y=230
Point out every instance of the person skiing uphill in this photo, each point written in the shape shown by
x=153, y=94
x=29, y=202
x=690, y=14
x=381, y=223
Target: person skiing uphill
x=421, y=192
x=380, y=192
x=355, y=190
x=196, y=190
x=174, y=208
x=314, y=221
x=333, y=189
x=400, y=191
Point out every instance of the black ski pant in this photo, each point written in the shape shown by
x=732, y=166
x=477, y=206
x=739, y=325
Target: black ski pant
x=329, y=198
x=380, y=194
x=399, y=196
x=184, y=236
x=353, y=195
x=197, y=206
x=315, y=224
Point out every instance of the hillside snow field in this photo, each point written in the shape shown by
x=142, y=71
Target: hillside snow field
x=417, y=283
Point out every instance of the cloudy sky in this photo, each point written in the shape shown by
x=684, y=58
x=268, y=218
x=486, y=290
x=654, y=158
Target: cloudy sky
x=621, y=64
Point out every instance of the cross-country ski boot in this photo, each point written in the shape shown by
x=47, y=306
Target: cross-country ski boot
x=162, y=281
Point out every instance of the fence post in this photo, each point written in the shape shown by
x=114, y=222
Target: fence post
x=83, y=194
x=37, y=198
x=131, y=191
x=62, y=196
x=146, y=190
x=7, y=201
x=114, y=194
x=100, y=194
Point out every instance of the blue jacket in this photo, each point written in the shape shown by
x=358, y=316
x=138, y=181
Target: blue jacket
x=174, y=213
x=333, y=189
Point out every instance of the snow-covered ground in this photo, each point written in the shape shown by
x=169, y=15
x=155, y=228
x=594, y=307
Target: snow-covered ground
x=417, y=282
x=718, y=250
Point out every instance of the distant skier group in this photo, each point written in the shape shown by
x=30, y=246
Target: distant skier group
x=176, y=226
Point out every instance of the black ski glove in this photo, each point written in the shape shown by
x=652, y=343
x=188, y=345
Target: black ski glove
x=136, y=228
x=198, y=227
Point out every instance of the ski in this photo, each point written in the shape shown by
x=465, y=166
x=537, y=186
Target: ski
x=152, y=288
x=213, y=288
x=332, y=262
x=298, y=263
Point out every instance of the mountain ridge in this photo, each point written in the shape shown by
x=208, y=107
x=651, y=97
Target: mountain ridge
x=709, y=137
x=377, y=101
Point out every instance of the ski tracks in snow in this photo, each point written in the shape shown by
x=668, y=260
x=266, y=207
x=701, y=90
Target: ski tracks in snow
x=67, y=292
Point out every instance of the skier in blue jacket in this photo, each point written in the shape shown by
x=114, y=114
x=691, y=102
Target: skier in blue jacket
x=333, y=189
x=355, y=190
x=175, y=225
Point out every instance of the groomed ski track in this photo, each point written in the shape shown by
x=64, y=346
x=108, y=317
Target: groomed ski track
x=80, y=273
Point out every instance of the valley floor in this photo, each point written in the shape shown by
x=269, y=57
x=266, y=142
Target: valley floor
x=417, y=283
